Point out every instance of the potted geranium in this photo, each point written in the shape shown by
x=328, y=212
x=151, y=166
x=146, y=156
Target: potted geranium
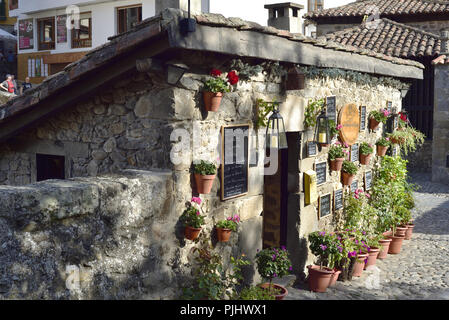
x=192, y=219
x=377, y=117
x=205, y=173
x=348, y=171
x=225, y=227
x=382, y=146
x=274, y=263
x=215, y=86
x=366, y=150
x=337, y=154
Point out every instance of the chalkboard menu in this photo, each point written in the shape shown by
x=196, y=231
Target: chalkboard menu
x=311, y=149
x=362, y=118
x=234, y=169
x=390, y=106
x=368, y=180
x=354, y=186
x=321, y=173
x=331, y=108
x=355, y=153
x=325, y=206
x=338, y=199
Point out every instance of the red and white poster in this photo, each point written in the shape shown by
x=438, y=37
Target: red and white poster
x=26, y=34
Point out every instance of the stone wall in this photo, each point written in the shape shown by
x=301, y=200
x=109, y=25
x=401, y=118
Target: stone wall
x=421, y=159
x=434, y=27
x=440, y=147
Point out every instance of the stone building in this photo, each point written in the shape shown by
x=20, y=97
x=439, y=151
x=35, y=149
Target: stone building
x=108, y=226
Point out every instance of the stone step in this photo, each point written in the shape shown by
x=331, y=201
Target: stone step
x=286, y=281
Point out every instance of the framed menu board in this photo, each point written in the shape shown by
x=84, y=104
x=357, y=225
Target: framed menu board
x=355, y=153
x=354, y=185
x=368, y=180
x=235, y=164
x=321, y=173
x=331, y=108
x=362, y=118
x=311, y=148
x=26, y=34
x=324, y=206
x=338, y=200
x=61, y=28
x=390, y=106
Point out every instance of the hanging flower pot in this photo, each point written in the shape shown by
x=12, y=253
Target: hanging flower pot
x=372, y=256
x=409, y=232
x=282, y=290
x=336, y=164
x=223, y=235
x=359, y=264
x=348, y=172
x=212, y=100
x=346, y=178
x=319, y=278
x=365, y=159
x=385, y=243
x=373, y=124
x=381, y=150
x=205, y=173
x=191, y=233
x=396, y=244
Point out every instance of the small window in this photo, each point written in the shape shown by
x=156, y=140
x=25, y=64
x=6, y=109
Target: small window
x=50, y=167
x=295, y=12
x=315, y=5
x=82, y=37
x=128, y=17
x=46, y=33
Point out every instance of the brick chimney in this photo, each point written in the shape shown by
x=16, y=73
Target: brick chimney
x=285, y=16
x=195, y=5
x=445, y=41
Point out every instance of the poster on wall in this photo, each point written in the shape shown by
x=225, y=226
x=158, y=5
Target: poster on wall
x=13, y=4
x=26, y=34
x=61, y=28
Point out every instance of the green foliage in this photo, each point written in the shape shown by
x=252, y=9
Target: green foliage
x=264, y=109
x=192, y=217
x=205, y=168
x=245, y=70
x=216, y=84
x=337, y=151
x=333, y=129
x=273, y=263
x=328, y=248
x=256, y=293
x=410, y=138
x=211, y=279
x=366, y=148
x=358, y=213
x=349, y=167
x=312, y=112
x=229, y=223
x=384, y=142
x=273, y=70
x=380, y=116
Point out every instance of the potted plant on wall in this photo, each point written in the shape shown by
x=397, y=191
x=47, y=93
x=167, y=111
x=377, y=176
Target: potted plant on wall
x=205, y=173
x=215, y=86
x=382, y=146
x=274, y=263
x=377, y=117
x=337, y=154
x=192, y=219
x=225, y=227
x=366, y=151
x=348, y=172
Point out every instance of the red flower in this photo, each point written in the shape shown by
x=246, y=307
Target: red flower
x=233, y=78
x=403, y=116
x=215, y=73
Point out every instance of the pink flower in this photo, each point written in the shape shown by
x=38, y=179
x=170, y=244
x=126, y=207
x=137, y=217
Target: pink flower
x=229, y=218
x=357, y=196
x=197, y=213
x=346, y=145
x=196, y=200
x=338, y=143
x=388, y=139
x=339, y=127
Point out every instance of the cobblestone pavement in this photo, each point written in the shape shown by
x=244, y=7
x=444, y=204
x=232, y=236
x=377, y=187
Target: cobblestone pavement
x=419, y=272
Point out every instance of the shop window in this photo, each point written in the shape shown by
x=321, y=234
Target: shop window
x=315, y=5
x=46, y=33
x=128, y=17
x=82, y=37
x=50, y=167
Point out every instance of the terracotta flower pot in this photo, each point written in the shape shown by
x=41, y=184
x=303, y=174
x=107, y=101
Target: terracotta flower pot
x=223, y=234
x=385, y=246
x=346, y=178
x=396, y=244
x=381, y=150
x=372, y=257
x=334, y=277
x=279, y=296
x=400, y=231
x=397, y=141
x=336, y=164
x=319, y=279
x=365, y=158
x=204, y=183
x=409, y=232
x=212, y=100
x=191, y=233
x=359, y=264
x=373, y=124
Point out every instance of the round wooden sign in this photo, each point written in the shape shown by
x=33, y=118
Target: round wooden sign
x=350, y=120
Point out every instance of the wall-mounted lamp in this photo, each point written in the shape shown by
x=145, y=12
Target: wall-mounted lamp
x=175, y=71
x=322, y=133
x=188, y=25
x=295, y=79
x=276, y=137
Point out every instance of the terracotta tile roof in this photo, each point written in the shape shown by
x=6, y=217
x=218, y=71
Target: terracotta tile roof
x=443, y=59
x=386, y=8
x=390, y=38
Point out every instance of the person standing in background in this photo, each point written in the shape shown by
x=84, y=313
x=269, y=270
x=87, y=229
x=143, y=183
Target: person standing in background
x=8, y=85
x=26, y=85
x=16, y=88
